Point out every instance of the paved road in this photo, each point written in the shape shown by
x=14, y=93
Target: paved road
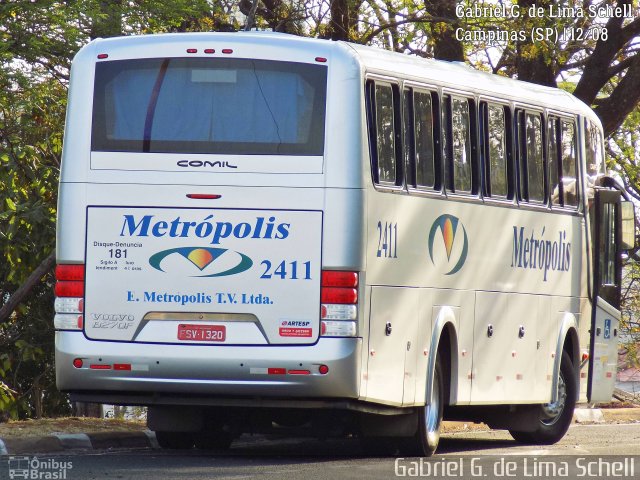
x=269, y=458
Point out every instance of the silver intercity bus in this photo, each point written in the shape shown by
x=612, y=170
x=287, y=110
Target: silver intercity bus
x=258, y=231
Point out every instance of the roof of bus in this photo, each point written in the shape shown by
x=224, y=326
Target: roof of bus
x=376, y=60
x=469, y=79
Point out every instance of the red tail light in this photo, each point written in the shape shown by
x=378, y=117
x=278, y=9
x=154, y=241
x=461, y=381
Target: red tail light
x=339, y=295
x=70, y=281
x=69, y=289
x=338, y=303
x=332, y=278
x=70, y=272
x=339, y=287
x=69, y=303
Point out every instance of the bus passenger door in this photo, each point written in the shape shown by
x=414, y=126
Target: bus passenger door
x=605, y=315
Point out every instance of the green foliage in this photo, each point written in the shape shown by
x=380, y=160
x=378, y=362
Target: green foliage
x=39, y=40
x=31, y=120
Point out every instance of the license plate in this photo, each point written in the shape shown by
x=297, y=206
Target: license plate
x=202, y=333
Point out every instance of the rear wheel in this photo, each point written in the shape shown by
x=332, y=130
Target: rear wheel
x=554, y=418
x=430, y=417
x=426, y=439
x=175, y=440
x=213, y=440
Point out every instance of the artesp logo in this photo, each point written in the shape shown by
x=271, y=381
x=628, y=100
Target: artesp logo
x=205, y=259
x=449, y=226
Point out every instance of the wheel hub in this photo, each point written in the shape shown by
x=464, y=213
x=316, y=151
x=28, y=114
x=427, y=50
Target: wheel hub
x=553, y=410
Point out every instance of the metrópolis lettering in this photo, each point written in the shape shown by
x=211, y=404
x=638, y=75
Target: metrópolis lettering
x=534, y=252
x=260, y=228
x=163, y=297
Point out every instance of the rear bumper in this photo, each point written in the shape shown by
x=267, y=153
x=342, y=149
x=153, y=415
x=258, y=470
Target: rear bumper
x=206, y=370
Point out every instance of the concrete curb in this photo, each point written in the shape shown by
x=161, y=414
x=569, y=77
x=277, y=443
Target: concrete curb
x=606, y=415
x=58, y=442
x=588, y=415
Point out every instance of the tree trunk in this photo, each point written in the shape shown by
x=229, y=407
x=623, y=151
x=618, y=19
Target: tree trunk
x=341, y=21
x=19, y=295
x=84, y=409
x=622, y=101
x=534, y=61
x=596, y=71
x=446, y=46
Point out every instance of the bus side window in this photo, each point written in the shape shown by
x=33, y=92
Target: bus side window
x=423, y=121
x=530, y=156
x=383, y=126
x=553, y=160
x=457, y=148
x=535, y=161
x=408, y=140
x=595, y=154
x=569, y=164
x=494, y=149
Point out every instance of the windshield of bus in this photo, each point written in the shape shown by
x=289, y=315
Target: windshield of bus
x=207, y=105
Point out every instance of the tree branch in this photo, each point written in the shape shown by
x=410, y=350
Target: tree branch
x=19, y=295
x=624, y=98
x=596, y=72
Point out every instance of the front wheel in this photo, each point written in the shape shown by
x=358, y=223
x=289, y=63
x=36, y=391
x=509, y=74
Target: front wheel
x=554, y=418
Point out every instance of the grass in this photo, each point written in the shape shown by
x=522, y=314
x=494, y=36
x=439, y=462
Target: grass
x=47, y=426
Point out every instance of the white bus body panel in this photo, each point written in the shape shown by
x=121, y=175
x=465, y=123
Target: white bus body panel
x=410, y=276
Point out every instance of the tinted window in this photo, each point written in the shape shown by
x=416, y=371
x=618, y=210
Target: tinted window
x=457, y=147
x=407, y=130
x=553, y=161
x=202, y=105
x=385, y=134
x=569, y=164
x=535, y=164
x=595, y=160
x=423, y=120
x=497, y=151
x=608, y=244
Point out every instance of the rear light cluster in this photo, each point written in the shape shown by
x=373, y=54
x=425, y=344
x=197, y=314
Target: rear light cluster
x=339, y=303
x=69, y=303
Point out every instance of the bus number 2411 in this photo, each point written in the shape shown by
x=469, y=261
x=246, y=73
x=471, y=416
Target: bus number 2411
x=287, y=270
x=387, y=240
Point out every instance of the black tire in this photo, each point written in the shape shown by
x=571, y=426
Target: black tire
x=175, y=440
x=380, y=446
x=554, y=419
x=213, y=440
x=430, y=417
x=425, y=441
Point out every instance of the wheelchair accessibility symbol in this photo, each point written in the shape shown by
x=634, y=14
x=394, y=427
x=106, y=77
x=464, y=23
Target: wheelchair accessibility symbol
x=607, y=328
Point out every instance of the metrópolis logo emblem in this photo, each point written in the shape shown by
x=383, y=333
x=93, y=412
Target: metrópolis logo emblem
x=449, y=229
x=210, y=261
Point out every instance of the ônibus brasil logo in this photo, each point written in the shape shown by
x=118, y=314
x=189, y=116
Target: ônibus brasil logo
x=205, y=259
x=449, y=226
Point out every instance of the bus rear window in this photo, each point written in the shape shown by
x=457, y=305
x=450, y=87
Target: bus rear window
x=203, y=105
